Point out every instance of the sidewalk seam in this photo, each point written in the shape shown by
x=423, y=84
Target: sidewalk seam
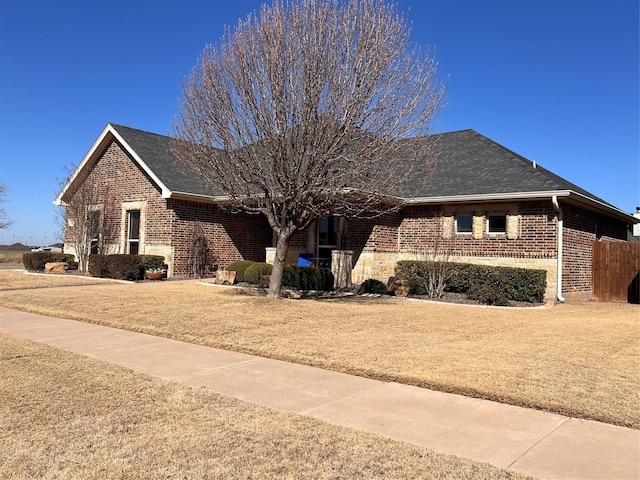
x=537, y=442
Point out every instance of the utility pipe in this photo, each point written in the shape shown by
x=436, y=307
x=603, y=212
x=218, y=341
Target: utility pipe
x=560, y=227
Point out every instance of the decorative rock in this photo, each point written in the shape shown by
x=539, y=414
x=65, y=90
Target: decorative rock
x=400, y=288
x=225, y=277
x=56, y=267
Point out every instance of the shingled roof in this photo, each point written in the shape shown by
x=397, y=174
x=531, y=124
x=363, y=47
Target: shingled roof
x=470, y=168
x=471, y=164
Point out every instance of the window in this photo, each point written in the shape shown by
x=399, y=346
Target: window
x=328, y=232
x=94, y=230
x=464, y=224
x=497, y=224
x=133, y=242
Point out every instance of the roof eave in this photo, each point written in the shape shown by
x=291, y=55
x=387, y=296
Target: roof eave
x=540, y=195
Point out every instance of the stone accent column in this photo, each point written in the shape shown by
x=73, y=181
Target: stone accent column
x=341, y=266
x=478, y=226
x=447, y=226
x=512, y=227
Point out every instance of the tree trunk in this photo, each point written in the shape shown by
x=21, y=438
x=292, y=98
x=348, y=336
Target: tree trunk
x=282, y=245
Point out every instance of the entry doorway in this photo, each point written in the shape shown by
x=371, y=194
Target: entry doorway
x=330, y=237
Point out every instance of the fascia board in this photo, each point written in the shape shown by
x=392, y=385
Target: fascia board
x=95, y=147
x=488, y=197
x=570, y=194
x=107, y=133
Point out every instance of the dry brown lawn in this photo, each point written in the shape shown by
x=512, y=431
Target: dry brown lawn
x=21, y=280
x=577, y=359
x=67, y=416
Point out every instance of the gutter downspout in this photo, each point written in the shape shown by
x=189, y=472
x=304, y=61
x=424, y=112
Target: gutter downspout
x=556, y=205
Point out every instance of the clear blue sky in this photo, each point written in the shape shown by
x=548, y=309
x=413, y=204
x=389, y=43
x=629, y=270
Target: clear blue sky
x=554, y=80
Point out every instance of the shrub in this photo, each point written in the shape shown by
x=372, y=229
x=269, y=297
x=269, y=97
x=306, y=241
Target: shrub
x=307, y=278
x=372, y=285
x=151, y=262
x=98, y=265
x=125, y=267
x=119, y=266
x=480, y=282
x=240, y=267
x=36, y=261
x=488, y=293
x=254, y=272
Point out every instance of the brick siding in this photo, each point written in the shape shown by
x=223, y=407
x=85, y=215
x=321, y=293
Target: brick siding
x=577, y=253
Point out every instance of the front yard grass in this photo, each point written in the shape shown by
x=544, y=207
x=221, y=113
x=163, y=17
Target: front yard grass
x=580, y=360
x=68, y=416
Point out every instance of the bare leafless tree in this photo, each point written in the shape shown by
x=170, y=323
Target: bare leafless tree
x=86, y=219
x=5, y=221
x=301, y=112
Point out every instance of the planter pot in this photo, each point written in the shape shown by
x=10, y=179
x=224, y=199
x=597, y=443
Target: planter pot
x=154, y=276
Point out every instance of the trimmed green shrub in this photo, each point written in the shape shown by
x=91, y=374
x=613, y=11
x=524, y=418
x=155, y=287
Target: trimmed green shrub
x=35, y=261
x=125, y=267
x=307, y=278
x=119, y=266
x=99, y=265
x=488, y=293
x=254, y=272
x=150, y=262
x=240, y=267
x=480, y=282
x=371, y=285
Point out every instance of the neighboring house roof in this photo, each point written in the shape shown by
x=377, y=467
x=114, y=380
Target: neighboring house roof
x=470, y=168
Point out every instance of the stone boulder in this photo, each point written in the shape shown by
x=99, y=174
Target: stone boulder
x=398, y=287
x=225, y=277
x=56, y=267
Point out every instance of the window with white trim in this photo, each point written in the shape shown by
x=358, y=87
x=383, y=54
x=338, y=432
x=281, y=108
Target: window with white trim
x=133, y=237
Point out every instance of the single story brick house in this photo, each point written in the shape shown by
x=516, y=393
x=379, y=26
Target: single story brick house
x=484, y=204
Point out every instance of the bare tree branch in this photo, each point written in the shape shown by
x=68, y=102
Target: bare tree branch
x=302, y=111
x=88, y=217
x=5, y=221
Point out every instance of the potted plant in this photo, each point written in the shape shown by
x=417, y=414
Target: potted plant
x=155, y=273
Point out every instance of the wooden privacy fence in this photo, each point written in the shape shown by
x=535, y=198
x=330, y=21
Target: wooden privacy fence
x=616, y=267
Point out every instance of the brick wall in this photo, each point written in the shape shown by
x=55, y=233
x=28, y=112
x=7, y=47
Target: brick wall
x=581, y=228
x=426, y=228
x=230, y=236
x=119, y=182
x=167, y=226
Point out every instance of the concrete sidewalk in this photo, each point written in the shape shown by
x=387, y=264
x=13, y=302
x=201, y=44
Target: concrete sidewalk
x=529, y=441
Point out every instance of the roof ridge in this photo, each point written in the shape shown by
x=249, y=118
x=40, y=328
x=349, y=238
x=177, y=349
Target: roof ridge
x=118, y=126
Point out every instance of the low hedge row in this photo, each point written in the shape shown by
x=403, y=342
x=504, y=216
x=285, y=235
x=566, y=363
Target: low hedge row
x=307, y=278
x=492, y=285
x=35, y=261
x=123, y=267
x=301, y=278
x=119, y=266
